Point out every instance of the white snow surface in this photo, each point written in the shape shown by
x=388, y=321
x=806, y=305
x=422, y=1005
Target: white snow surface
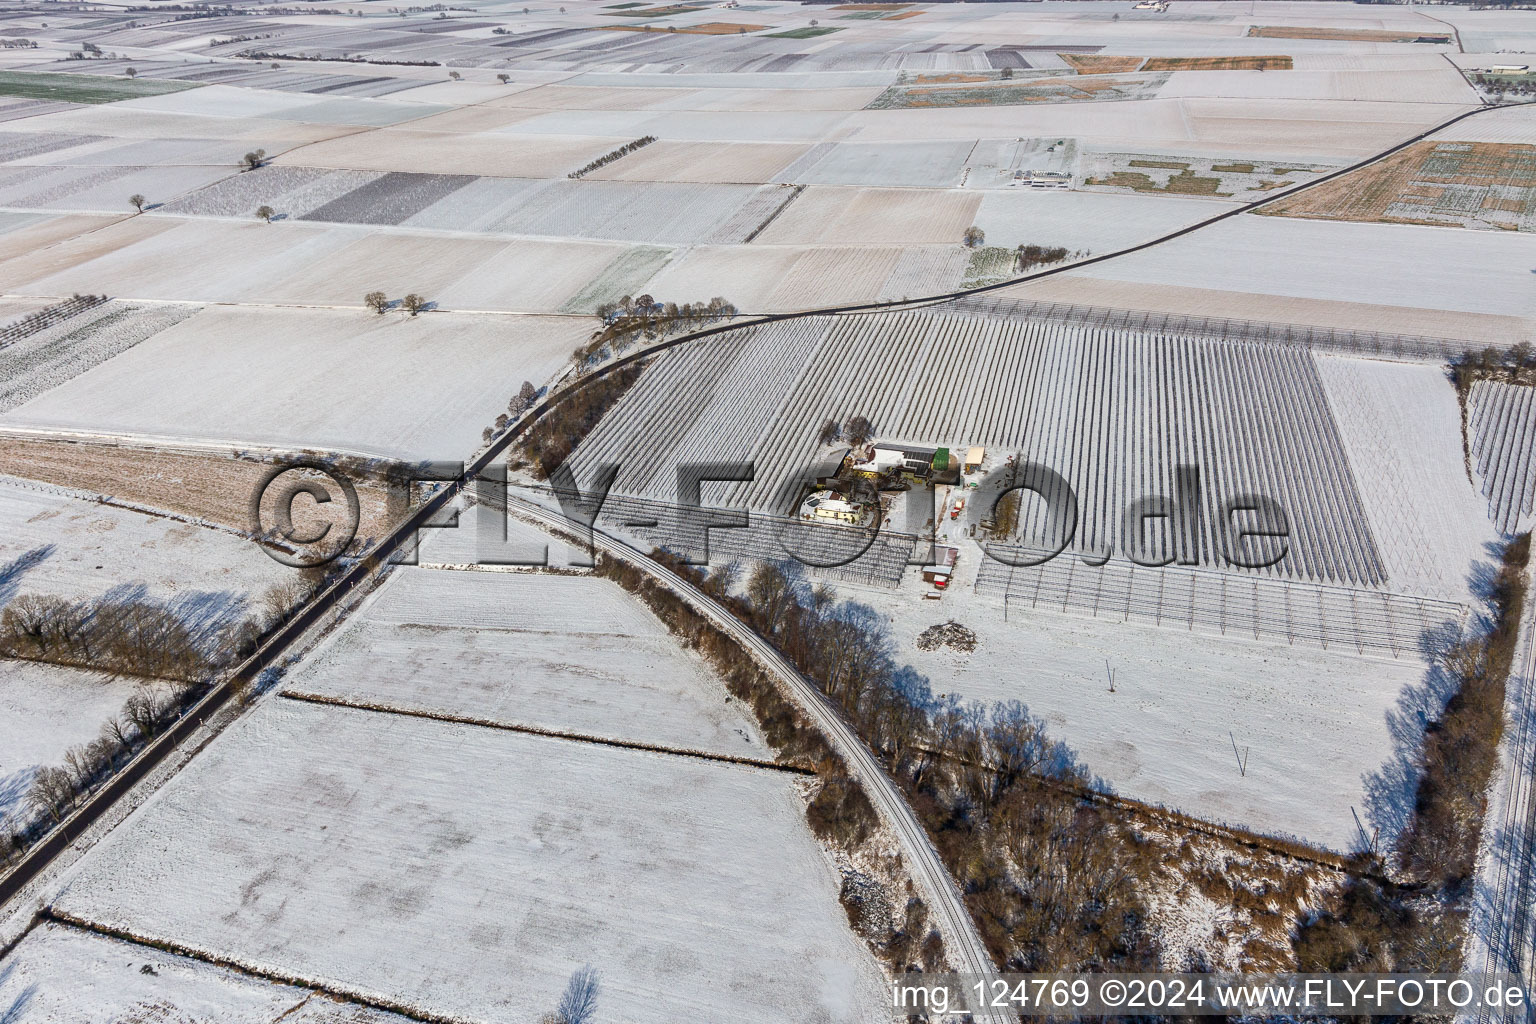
x=468, y=871
x=53, y=542
x=1401, y=425
x=1314, y=721
x=413, y=387
x=63, y=974
x=1384, y=264
x=45, y=710
x=556, y=653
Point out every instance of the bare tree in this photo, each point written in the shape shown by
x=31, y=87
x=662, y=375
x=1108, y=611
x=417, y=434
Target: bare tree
x=526, y=396
x=266, y=213
x=253, y=159
x=132, y=72
x=455, y=75
x=137, y=202
x=503, y=78
x=579, y=1002
x=413, y=303
x=974, y=236
x=376, y=301
x=858, y=430
x=52, y=793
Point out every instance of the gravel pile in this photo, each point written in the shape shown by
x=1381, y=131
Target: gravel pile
x=948, y=634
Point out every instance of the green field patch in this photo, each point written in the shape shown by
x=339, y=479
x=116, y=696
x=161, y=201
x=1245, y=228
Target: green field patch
x=624, y=275
x=988, y=264
x=1185, y=183
x=805, y=32
x=67, y=88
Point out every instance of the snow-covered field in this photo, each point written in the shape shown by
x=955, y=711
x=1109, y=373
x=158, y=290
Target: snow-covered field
x=1402, y=428
x=1148, y=401
x=45, y=710
x=415, y=387
x=60, y=973
x=54, y=543
x=557, y=653
x=1315, y=722
x=467, y=872
x=1389, y=264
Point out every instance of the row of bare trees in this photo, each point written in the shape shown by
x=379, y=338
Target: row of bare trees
x=608, y=158
x=1053, y=880
x=839, y=812
x=139, y=638
x=380, y=303
x=643, y=317
x=557, y=433
x=1416, y=920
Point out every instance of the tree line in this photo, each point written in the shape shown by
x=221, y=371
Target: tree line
x=1052, y=880
x=138, y=637
x=1415, y=920
x=644, y=317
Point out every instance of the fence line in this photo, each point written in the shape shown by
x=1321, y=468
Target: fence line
x=1401, y=346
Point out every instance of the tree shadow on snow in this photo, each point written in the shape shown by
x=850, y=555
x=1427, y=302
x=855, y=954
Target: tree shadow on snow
x=208, y=615
x=1392, y=789
x=12, y=572
x=17, y=1008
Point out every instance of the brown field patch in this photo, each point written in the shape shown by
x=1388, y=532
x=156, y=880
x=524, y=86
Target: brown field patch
x=215, y=486
x=1269, y=63
x=708, y=28
x=1359, y=35
x=952, y=78
x=904, y=14
x=1100, y=64
x=1487, y=184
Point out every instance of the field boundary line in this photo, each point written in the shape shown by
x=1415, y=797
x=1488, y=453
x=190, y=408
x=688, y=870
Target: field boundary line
x=451, y=718
x=62, y=917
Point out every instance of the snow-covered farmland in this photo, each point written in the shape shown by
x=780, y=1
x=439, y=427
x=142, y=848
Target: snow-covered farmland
x=1253, y=417
x=826, y=214
x=34, y=364
x=1401, y=427
x=52, y=542
x=467, y=871
x=555, y=653
x=1315, y=722
x=45, y=710
x=63, y=973
x=1085, y=220
x=1389, y=264
x=415, y=387
x=1503, y=428
x=428, y=152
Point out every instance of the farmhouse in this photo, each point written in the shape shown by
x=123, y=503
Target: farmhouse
x=915, y=462
x=1050, y=179
x=829, y=506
